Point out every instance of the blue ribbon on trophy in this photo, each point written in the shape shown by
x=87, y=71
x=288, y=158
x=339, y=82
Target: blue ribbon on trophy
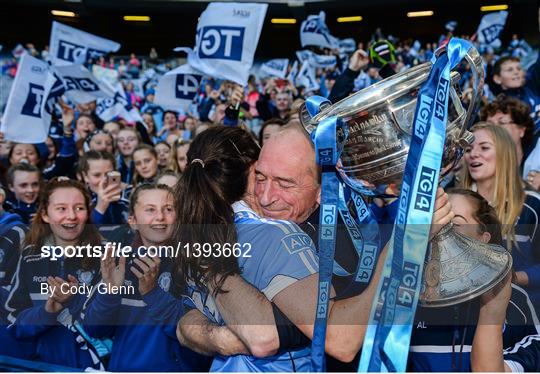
x=329, y=138
x=327, y=152
x=386, y=345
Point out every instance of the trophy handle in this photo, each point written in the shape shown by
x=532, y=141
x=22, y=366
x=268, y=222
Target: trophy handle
x=477, y=67
x=465, y=138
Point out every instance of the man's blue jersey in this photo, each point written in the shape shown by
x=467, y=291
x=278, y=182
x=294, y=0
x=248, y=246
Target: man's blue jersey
x=274, y=255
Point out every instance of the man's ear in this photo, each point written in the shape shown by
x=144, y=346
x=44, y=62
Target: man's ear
x=497, y=79
x=319, y=196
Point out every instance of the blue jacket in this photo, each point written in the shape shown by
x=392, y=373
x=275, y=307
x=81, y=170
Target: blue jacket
x=442, y=337
x=23, y=210
x=526, y=251
x=57, y=340
x=143, y=328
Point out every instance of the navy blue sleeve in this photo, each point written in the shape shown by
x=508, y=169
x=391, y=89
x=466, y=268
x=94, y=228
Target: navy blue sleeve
x=343, y=86
x=533, y=77
x=99, y=315
x=27, y=319
x=163, y=307
x=525, y=355
x=64, y=161
x=204, y=109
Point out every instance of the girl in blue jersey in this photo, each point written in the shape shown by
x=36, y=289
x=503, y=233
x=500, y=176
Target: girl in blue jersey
x=215, y=210
x=492, y=169
x=141, y=318
x=43, y=303
x=442, y=337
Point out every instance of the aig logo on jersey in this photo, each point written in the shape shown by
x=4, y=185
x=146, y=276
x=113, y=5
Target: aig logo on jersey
x=296, y=242
x=221, y=42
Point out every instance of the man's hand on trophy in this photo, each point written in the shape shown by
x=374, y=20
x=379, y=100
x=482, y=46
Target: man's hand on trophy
x=442, y=213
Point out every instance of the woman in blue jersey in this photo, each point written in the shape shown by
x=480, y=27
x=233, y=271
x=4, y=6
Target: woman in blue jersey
x=43, y=301
x=442, y=337
x=223, y=236
x=493, y=171
x=141, y=318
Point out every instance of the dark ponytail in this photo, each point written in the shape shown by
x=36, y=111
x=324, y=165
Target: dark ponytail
x=216, y=176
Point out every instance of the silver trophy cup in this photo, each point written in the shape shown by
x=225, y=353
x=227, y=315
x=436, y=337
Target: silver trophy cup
x=380, y=120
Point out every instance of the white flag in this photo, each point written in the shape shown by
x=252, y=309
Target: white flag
x=306, y=77
x=315, y=32
x=304, y=55
x=109, y=108
x=322, y=61
x=226, y=40
x=71, y=46
x=177, y=89
x=276, y=67
x=315, y=60
x=81, y=86
x=490, y=27
x=23, y=120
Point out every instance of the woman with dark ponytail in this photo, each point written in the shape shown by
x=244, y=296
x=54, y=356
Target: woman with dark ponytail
x=223, y=236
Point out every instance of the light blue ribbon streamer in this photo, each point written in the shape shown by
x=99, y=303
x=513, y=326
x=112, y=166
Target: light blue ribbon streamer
x=363, y=231
x=327, y=151
x=314, y=104
x=387, y=340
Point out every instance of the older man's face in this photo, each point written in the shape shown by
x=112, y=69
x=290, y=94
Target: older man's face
x=283, y=101
x=286, y=178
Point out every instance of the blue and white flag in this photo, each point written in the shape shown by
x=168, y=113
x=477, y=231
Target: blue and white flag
x=293, y=72
x=24, y=120
x=109, y=108
x=315, y=60
x=71, y=46
x=315, y=32
x=81, y=86
x=347, y=45
x=177, y=89
x=490, y=28
x=322, y=61
x=306, y=77
x=304, y=55
x=276, y=67
x=117, y=106
x=226, y=40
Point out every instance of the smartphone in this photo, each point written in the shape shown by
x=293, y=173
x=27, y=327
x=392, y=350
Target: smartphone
x=113, y=177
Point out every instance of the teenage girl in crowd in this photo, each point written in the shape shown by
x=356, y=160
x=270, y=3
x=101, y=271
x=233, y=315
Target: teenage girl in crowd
x=493, y=171
x=62, y=219
x=142, y=321
x=146, y=164
x=127, y=140
x=109, y=200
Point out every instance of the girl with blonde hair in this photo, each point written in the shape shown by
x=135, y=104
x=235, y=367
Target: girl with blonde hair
x=493, y=171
